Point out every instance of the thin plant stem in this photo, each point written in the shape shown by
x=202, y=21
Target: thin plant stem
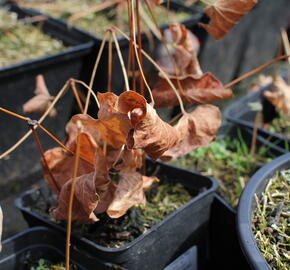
x=161, y=71
x=91, y=10
x=136, y=53
x=26, y=20
x=286, y=45
x=121, y=62
x=171, y=59
x=77, y=97
x=254, y=71
x=39, y=146
x=70, y=204
x=131, y=56
x=94, y=71
x=257, y=121
x=90, y=90
x=54, y=138
x=42, y=118
x=109, y=63
x=13, y=114
x=141, y=82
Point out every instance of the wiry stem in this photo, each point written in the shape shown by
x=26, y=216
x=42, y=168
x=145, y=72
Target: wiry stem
x=25, y=136
x=77, y=97
x=254, y=71
x=70, y=204
x=91, y=10
x=40, y=149
x=131, y=56
x=90, y=90
x=109, y=63
x=13, y=114
x=141, y=82
x=161, y=71
x=94, y=71
x=136, y=53
x=121, y=62
x=54, y=138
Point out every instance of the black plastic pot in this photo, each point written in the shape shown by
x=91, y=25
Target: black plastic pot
x=247, y=204
x=240, y=114
x=43, y=243
x=117, y=83
x=226, y=252
x=17, y=83
x=165, y=241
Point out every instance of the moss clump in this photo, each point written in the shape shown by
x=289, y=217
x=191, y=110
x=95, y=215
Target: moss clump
x=229, y=162
x=271, y=221
x=23, y=41
x=280, y=125
x=42, y=264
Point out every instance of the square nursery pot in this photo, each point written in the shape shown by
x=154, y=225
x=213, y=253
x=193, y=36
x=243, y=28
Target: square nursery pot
x=42, y=243
x=240, y=114
x=165, y=241
x=117, y=83
x=225, y=250
x=17, y=83
x=247, y=204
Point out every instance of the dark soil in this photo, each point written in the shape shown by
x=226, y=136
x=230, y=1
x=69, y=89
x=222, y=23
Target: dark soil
x=162, y=199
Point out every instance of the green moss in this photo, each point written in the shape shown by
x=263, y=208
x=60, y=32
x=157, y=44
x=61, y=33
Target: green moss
x=42, y=264
x=271, y=221
x=97, y=23
x=281, y=125
x=229, y=162
x=24, y=41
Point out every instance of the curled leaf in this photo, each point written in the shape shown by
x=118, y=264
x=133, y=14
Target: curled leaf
x=224, y=14
x=196, y=129
x=60, y=162
x=279, y=96
x=185, y=47
x=42, y=99
x=149, y=132
x=196, y=89
x=93, y=194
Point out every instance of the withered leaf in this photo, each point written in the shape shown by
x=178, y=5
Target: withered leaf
x=129, y=192
x=196, y=129
x=224, y=14
x=93, y=194
x=195, y=89
x=42, y=99
x=279, y=96
x=149, y=132
x=185, y=49
x=60, y=162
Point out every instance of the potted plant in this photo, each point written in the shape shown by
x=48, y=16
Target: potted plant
x=24, y=36
x=100, y=167
x=261, y=219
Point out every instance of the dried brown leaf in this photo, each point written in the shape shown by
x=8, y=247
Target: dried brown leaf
x=129, y=192
x=195, y=89
x=224, y=14
x=42, y=99
x=149, y=132
x=196, y=129
x=93, y=194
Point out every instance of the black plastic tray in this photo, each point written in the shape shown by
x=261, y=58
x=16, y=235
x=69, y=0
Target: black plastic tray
x=43, y=243
x=247, y=205
x=240, y=114
x=17, y=83
x=165, y=241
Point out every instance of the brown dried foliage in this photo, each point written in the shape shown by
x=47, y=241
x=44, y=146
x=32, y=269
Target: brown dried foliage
x=224, y=14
